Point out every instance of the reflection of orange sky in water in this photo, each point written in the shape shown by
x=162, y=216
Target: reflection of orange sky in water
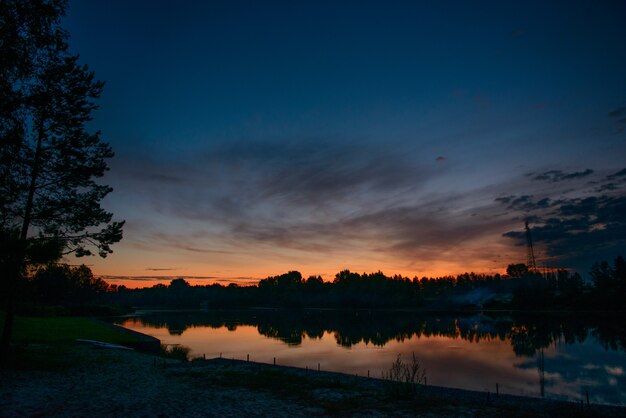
x=451, y=362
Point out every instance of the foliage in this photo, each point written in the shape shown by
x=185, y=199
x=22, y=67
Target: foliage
x=49, y=162
x=560, y=289
x=403, y=378
x=517, y=270
x=67, y=286
x=175, y=351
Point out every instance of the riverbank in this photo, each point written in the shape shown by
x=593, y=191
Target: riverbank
x=72, y=380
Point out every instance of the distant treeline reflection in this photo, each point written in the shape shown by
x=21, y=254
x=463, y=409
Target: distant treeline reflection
x=526, y=333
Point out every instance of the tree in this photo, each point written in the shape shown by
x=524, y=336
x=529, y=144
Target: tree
x=61, y=284
x=517, y=271
x=49, y=162
x=602, y=277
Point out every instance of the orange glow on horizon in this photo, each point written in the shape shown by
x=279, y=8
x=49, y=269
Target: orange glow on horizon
x=145, y=281
x=134, y=267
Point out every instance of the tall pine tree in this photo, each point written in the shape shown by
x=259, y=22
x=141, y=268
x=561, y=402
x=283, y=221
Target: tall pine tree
x=49, y=162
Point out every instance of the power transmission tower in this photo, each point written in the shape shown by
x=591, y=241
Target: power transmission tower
x=530, y=254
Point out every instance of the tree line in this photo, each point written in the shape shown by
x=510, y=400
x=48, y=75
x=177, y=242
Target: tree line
x=519, y=288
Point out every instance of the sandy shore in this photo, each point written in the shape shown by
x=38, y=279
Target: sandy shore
x=83, y=381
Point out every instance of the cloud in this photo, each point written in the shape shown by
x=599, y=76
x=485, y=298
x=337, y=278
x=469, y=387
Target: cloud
x=621, y=173
x=619, y=117
x=159, y=278
x=440, y=158
x=575, y=231
x=161, y=269
x=282, y=200
x=243, y=186
x=524, y=203
x=617, y=112
x=315, y=169
x=558, y=175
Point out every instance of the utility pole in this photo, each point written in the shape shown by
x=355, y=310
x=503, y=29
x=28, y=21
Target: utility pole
x=530, y=254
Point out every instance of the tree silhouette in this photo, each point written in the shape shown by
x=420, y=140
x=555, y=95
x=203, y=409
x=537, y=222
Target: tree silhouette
x=49, y=199
x=61, y=284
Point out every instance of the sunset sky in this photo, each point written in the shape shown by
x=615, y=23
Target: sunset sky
x=253, y=138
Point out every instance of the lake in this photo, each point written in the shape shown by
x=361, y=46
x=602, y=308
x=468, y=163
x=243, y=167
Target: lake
x=556, y=356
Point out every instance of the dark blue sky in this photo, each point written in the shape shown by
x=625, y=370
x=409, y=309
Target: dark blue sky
x=257, y=137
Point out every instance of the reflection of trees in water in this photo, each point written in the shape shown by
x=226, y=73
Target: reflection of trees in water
x=527, y=333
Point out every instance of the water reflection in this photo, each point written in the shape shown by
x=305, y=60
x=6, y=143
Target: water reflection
x=553, y=355
x=526, y=333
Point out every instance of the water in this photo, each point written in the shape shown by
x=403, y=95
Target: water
x=554, y=356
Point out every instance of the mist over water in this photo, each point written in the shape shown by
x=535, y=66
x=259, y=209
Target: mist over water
x=555, y=356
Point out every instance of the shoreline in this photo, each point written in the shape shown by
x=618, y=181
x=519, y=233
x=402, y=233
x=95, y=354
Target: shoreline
x=74, y=380
x=467, y=395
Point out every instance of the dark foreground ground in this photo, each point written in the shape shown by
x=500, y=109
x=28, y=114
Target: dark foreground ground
x=72, y=380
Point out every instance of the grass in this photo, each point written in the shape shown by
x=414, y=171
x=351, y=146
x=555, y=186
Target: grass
x=45, y=343
x=65, y=329
x=176, y=352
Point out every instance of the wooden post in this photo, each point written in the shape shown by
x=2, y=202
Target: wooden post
x=248, y=358
x=587, y=393
x=274, y=361
x=368, y=374
x=425, y=381
x=220, y=355
x=318, y=367
x=203, y=356
x=497, y=391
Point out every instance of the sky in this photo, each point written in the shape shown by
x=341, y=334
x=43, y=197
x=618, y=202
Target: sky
x=255, y=138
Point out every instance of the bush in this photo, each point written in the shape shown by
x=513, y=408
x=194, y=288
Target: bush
x=175, y=351
x=403, y=378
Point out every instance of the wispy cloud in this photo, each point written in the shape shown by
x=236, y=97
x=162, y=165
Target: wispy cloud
x=157, y=277
x=558, y=175
x=618, y=116
x=621, y=173
x=263, y=199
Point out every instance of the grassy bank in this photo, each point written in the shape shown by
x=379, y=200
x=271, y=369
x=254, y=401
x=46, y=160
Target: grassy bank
x=46, y=342
x=28, y=330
